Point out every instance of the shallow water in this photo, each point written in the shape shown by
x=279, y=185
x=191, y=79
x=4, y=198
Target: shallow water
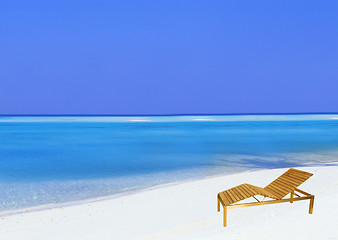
x=47, y=160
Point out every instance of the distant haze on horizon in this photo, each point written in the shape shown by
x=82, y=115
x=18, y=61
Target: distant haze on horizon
x=168, y=57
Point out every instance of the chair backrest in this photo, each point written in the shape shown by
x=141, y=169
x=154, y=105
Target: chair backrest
x=287, y=182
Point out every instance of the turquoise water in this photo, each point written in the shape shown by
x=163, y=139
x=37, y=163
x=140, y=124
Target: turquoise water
x=47, y=160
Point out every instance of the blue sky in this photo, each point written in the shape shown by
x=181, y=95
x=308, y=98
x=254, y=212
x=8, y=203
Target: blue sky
x=168, y=57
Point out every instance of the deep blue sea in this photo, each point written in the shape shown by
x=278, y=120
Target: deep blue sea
x=48, y=160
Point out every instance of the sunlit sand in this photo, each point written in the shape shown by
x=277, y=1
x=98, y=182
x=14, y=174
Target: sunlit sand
x=187, y=211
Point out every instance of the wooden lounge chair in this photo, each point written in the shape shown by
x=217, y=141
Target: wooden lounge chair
x=277, y=190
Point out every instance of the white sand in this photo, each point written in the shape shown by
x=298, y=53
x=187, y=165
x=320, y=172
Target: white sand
x=188, y=211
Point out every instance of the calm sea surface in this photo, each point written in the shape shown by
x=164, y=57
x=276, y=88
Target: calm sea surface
x=47, y=160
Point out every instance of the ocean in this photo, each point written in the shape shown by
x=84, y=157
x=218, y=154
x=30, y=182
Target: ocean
x=46, y=160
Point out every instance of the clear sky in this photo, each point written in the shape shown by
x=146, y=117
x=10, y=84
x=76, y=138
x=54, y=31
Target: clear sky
x=168, y=56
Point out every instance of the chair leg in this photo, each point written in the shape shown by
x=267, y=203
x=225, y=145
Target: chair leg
x=218, y=205
x=311, y=204
x=291, y=196
x=225, y=216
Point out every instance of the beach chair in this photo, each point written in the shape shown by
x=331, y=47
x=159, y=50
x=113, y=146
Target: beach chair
x=277, y=190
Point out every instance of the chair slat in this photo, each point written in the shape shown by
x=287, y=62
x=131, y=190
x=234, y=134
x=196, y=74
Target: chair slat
x=287, y=182
x=234, y=194
x=231, y=196
x=293, y=177
x=307, y=174
x=263, y=192
x=282, y=186
x=228, y=197
x=244, y=191
x=240, y=191
x=225, y=199
x=300, y=178
x=274, y=192
x=291, y=180
x=251, y=191
x=278, y=188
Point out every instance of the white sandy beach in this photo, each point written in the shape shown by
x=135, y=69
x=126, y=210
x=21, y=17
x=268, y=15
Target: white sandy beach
x=188, y=211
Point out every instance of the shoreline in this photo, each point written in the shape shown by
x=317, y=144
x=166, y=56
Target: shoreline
x=187, y=210
x=133, y=192
x=112, y=196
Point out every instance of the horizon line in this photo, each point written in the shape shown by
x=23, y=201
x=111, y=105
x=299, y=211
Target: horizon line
x=161, y=115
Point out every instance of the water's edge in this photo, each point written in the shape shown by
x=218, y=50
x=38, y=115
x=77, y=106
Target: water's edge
x=133, y=192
